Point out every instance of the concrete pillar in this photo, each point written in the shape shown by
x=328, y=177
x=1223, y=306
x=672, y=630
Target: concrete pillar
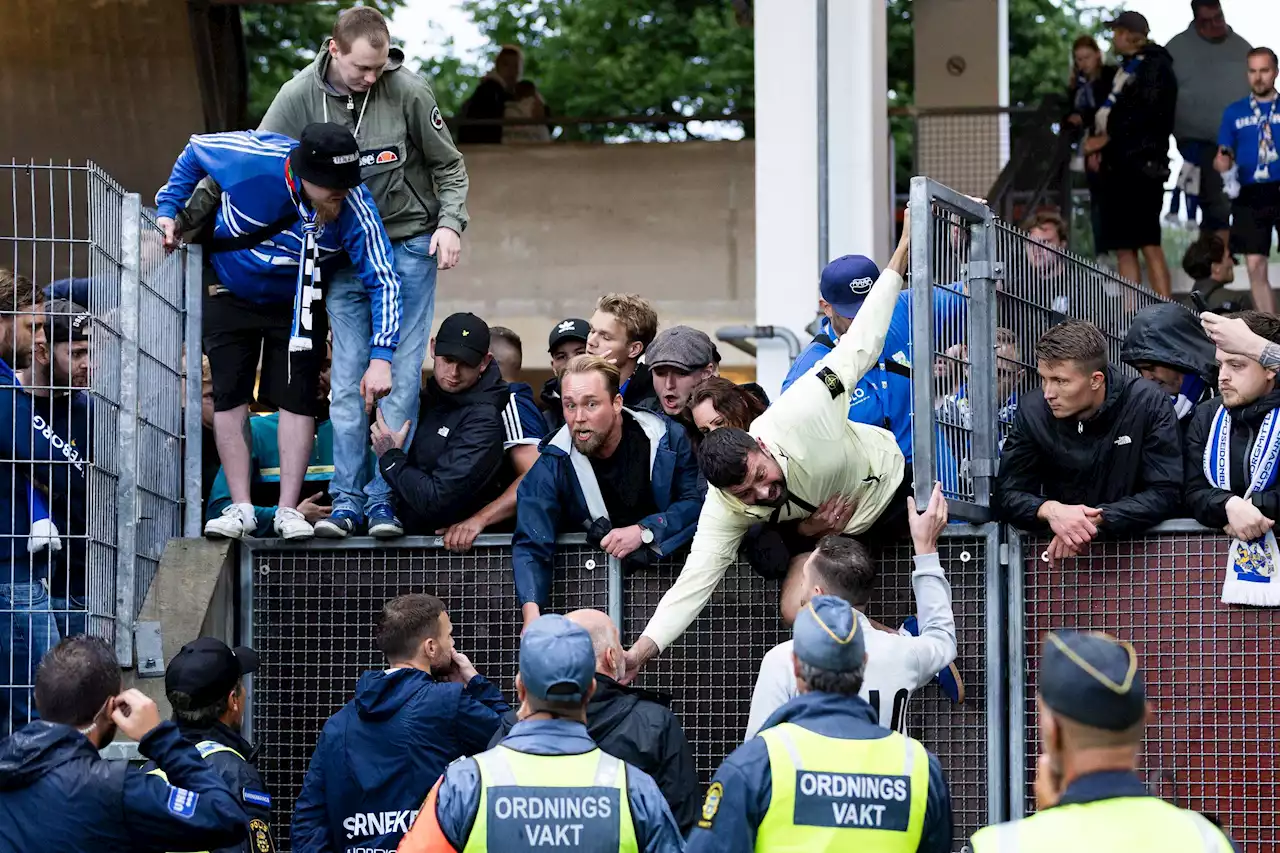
x=962, y=61
x=788, y=168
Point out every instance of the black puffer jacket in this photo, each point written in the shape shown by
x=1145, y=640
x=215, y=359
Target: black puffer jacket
x=1141, y=121
x=1206, y=502
x=1125, y=460
x=637, y=726
x=451, y=469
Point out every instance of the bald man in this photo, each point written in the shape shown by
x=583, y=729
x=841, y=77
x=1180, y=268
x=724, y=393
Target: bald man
x=632, y=724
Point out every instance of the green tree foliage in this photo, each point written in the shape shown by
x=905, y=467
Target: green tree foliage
x=280, y=40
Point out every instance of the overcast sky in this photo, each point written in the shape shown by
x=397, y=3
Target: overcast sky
x=424, y=24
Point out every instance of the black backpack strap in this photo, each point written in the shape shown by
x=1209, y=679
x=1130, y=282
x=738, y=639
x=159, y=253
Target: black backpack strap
x=899, y=369
x=253, y=238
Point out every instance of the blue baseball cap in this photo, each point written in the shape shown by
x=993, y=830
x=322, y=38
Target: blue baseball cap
x=846, y=281
x=827, y=635
x=557, y=660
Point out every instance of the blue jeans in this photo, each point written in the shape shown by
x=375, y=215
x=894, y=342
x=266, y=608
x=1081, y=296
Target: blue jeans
x=357, y=484
x=27, y=632
x=71, y=615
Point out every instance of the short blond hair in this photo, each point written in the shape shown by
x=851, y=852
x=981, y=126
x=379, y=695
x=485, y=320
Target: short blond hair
x=583, y=364
x=634, y=313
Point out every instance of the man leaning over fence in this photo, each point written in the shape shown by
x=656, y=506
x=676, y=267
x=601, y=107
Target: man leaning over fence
x=265, y=304
x=418, y=182
x=800, y=453
x=899, y=662
x=39, y=470
x=1094, y=452
x=823, y=775
x=378, y=756
x=627, y=477
x=1232, y=454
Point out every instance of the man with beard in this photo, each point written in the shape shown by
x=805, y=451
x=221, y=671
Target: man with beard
x=264, y=465
x=626, y=476
x=789, y=465
x=38, y=470
x=388, y=745
x=264, y=306
x=57, y=380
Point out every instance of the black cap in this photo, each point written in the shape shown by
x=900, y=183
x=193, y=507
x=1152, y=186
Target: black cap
x=1092, y=678
x=570, y=329
x=206, y=669
x=328, y=156
x=65, y=321
x=1134, y=22
x=464, y=337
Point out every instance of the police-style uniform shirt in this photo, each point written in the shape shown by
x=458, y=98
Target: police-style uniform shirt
x=848, y=807
x=231, y=757
x=1241, y=125
x=547, y=785
x=1107, y=812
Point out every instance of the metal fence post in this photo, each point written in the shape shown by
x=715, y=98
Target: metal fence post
x=193, y=426
x=1017, y=676
x=924, y=466
x=982, y=275
x=127, y=484
x=615, y=591
x=245, y=631
x=997, y=726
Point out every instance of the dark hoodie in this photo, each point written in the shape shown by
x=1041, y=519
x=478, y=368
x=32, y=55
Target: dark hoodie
x=1169, y=334
x=1125, y=460
x=1141, y=122
x=57, y=794
x=452, y=467
x=380, y=754
x=1206, y=502
x=637, y=727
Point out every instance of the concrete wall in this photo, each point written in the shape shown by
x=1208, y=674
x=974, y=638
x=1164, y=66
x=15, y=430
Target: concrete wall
x=556, y=226
x=111, y=81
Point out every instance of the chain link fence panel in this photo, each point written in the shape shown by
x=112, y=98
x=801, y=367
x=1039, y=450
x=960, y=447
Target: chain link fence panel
x=1208, y=667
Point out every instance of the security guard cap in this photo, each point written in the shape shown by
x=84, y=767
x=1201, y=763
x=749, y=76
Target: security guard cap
x=827, y=635
x=1092, y=678
x=557, y=660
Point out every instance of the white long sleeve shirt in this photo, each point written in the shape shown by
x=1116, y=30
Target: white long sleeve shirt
x=897, y=664
x=822, y=454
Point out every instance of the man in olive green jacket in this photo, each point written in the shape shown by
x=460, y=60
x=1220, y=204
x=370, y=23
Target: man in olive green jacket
x=419, y=183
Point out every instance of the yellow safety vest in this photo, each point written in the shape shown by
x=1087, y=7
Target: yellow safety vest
x=1120, y=825
x=835, y=794
x=531, y=802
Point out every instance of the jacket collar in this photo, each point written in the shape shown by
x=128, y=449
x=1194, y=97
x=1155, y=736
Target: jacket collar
x=655, y=427
x=607, y=688
x=1105, y=785
x=1253, y=413
x=549, y=737
x=219, y=733
x=813, y=705
x=320, y=66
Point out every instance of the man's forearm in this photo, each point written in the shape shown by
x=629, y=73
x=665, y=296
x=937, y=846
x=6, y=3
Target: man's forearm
x=1270, y=355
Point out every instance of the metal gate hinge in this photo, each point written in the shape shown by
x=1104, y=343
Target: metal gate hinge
x=150, y=649
x=1004, y=553
x=983, y=270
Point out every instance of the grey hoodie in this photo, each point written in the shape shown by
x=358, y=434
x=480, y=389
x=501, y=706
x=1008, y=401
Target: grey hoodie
x=1210, y=76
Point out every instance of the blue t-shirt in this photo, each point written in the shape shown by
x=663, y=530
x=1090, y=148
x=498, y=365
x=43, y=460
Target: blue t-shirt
x=1239, y=132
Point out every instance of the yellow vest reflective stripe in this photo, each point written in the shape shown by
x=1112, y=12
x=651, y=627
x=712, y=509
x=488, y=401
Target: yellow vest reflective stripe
x=205, y=748
x=834, y=794
x=1123, y=824
x=531, y=802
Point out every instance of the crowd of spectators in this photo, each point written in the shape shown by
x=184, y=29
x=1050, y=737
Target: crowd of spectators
x=1215, y=94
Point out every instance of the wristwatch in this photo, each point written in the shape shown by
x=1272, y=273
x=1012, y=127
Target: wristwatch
x=646, y=535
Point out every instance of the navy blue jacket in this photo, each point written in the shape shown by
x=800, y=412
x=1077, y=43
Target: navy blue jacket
x=459, y=796
x=379, y=756
x=26, y=437
x=56, y=793
x=748, y=783
x=553, y=498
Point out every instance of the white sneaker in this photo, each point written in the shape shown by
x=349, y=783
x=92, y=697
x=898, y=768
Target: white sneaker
x=290, y=524
x=236, y=522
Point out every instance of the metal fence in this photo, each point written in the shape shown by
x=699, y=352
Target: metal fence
x=309, y=612
x=1209, y=668
x=983, y=292
x=119, y=420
